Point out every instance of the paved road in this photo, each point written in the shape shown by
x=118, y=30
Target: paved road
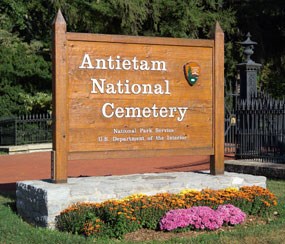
x=34, y=166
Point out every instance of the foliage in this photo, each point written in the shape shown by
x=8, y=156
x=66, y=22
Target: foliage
x=37, y=103
x=273, y=77
x=265, y=21
x=141, y=211
x=25, y=66
x=10, y=99
x=84, y=222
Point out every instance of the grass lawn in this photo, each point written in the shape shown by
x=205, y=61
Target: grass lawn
x=14, y=230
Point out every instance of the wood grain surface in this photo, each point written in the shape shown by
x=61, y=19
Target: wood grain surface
x=87, y=122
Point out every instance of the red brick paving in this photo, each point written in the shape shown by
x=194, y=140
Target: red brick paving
x=34, y=166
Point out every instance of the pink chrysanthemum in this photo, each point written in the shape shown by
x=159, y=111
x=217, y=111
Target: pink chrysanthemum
x=231, y=215
x=202, y=217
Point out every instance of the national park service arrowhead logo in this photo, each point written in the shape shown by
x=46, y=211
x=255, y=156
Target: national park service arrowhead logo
x=192, y=72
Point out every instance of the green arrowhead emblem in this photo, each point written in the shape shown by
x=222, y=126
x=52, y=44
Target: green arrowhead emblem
x=192, y=72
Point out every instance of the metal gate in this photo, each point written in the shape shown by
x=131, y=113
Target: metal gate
x=230, y=121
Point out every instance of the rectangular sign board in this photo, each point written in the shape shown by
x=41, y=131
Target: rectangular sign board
x=129, y=96
x=124, y=96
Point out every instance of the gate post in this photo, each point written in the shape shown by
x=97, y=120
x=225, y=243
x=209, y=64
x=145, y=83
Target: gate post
x=248, y=71
x=248, y=90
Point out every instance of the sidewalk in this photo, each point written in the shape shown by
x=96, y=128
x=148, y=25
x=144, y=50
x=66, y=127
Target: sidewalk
x=36, y=166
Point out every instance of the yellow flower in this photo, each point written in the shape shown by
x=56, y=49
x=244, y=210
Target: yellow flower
x=234, y=189
x=186, y=191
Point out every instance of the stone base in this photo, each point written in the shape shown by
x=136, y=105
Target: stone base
x=39, y=202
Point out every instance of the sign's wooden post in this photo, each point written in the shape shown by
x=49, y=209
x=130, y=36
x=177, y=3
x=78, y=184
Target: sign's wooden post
x=60, y=115
x=217, y=160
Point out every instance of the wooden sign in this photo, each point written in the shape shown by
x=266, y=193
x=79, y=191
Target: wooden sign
x=126, y=96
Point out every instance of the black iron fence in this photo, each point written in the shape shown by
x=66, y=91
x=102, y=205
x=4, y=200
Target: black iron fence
x=261, y=129
x=27, y=129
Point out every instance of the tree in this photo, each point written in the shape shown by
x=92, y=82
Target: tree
x=24, y=69
x=265, y=20
x=25, y=34
x=168, y=18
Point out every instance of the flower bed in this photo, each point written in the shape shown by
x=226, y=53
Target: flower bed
x=114, y=218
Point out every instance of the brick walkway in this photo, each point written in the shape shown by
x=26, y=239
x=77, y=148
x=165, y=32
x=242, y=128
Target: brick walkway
x=34, y=166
